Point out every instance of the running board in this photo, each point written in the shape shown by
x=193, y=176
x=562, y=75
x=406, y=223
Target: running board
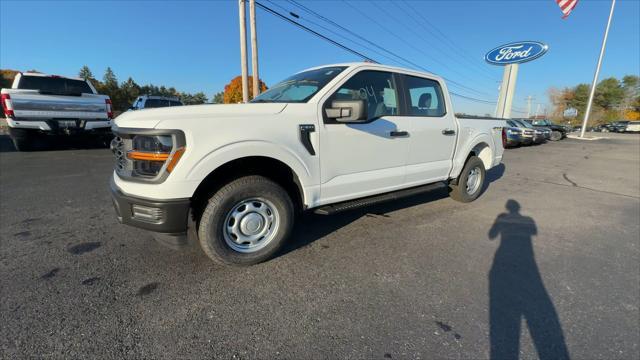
x=375, y=199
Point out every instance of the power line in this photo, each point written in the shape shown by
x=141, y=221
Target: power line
x=488, y=102
x=412, y=46
x=404, y=60
x=413, y=13
x=273, y=12
x=283, y=17
x=297, y=16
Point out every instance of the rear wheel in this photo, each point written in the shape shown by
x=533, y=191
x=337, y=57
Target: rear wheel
x=470, y=182
x=246, y=222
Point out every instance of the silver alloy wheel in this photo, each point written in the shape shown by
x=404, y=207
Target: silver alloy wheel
x=251, y=225
x=474, y=179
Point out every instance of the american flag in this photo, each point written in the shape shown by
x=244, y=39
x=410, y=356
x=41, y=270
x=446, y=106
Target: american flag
x=566, y=6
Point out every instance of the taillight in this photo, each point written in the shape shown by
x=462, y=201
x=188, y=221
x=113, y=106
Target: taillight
x=109, y=108
x=7, y=105
x=504, y=137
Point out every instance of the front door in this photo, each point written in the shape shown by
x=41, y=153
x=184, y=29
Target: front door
x=360, y=159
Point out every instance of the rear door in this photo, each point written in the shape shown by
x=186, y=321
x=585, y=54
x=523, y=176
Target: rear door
x=360, y=159
x=433, y=134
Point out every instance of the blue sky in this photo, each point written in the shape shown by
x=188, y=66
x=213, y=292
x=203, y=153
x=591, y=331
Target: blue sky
x=194, y=45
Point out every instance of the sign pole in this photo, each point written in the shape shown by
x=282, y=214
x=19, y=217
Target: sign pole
x=597, y=73
x=507, y=90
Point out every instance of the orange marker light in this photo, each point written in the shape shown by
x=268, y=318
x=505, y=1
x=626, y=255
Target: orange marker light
x=175, y=158
x=147, y=156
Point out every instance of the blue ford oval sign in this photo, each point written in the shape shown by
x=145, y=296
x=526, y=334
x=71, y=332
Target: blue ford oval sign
x=517, y=52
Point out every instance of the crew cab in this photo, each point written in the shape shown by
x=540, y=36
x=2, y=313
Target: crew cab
x=39, y=104
x=327, y=139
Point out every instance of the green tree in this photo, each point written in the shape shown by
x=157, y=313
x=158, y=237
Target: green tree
x=85, y=73
x=218, y=98
x=109, y=80
x=129, y=91
x=609, y=93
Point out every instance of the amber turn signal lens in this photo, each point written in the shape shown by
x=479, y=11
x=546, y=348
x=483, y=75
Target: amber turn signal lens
x=147, y=156
x=175, y=158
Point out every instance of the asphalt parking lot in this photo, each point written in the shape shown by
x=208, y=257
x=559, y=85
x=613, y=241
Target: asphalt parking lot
x=424, y=277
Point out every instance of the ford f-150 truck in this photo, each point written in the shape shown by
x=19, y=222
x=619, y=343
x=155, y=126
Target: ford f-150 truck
x=326, y=139
x=39, y=104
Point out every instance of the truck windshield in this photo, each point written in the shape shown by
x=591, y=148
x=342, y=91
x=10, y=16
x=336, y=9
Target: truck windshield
x=54, y=85
x=300, y=87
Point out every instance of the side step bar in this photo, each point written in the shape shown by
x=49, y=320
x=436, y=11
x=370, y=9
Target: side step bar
x=375, y=199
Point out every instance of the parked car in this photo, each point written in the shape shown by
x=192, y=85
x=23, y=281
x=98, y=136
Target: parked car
x=602, y=128
x=633, y=126
x=150, y=101
x=540, y=134
x=618, y=126
x=39, y=104
x=514, y=136
x=558, y=132
x=528, y=134
x=327, y=139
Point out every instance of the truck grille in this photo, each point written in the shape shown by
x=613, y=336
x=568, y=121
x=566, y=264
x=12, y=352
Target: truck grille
x=119, y=151
x=528, y=132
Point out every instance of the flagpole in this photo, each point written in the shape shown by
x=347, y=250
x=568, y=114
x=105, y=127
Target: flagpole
x=597, y=73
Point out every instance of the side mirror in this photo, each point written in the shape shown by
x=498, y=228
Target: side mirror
x=348, y=111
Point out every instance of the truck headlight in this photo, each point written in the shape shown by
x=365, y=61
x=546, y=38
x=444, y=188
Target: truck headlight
x=150, y=154
x=147, y=155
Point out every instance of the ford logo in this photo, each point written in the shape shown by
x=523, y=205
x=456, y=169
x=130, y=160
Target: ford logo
x=517, y=52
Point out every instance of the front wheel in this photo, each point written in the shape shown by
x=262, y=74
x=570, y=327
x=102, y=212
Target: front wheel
x=246, y=222
x=470, y=182
x=556, y=135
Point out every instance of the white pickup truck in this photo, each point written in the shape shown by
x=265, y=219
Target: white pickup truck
x=39, y=104
x=329, y=139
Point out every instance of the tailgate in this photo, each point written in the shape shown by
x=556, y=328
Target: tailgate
x=30, y=104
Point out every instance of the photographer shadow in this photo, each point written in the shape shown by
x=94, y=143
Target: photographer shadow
x=516, y=292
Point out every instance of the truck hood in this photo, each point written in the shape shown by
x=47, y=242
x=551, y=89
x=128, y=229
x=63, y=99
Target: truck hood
x=150, y=118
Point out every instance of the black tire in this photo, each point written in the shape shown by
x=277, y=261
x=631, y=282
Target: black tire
x=459, y=192
x=556, y=135
x=212, y=222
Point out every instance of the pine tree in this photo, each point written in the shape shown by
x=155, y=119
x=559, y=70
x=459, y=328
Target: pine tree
x=85, y=73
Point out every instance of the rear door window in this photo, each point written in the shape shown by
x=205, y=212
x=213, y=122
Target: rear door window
x=55, y=85
x=424, y=97
x=155, y=103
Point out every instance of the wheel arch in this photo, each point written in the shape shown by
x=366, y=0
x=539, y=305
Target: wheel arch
x=480, y=146
x=269, y=167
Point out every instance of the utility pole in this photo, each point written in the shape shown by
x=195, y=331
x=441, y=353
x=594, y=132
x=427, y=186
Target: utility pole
x=254, y=48
x=538, y=110
x=243, y=50
x=597, y=73
x=529, y=98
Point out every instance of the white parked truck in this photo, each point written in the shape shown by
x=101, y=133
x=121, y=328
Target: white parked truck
x=39, y=104
x=326, y=139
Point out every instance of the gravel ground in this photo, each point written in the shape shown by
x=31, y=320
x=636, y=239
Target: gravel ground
x=545, y=262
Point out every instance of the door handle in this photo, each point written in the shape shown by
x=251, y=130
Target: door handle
x=448, y=132
x=398, y=133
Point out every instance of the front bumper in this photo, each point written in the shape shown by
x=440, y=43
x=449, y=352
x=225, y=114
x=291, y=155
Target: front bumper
x=169, y=216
